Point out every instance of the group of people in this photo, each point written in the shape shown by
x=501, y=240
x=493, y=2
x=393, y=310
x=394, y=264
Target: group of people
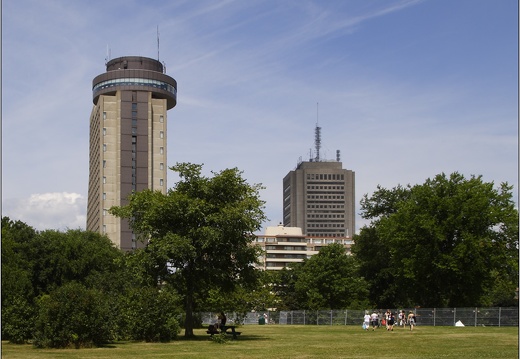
x=388, y=320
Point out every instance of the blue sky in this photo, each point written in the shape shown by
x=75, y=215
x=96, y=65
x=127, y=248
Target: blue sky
x=407, y=89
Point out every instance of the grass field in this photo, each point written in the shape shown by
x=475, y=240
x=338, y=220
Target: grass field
x=281, y=341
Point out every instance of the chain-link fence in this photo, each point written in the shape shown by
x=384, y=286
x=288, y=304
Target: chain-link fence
x=507, y=316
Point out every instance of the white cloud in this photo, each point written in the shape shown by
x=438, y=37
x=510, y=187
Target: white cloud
x=57, y=210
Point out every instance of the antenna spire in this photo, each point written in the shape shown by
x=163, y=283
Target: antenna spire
x=157, y=42
x=317, y=135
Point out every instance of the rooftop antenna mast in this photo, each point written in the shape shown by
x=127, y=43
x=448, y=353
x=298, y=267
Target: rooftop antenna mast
x=157, y=42
x=317, y=135
x=107, y=57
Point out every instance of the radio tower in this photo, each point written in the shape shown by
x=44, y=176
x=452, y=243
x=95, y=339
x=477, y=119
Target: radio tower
x=317, y=136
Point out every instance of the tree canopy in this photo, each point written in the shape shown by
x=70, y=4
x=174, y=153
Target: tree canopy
x=199, y=232
x=329, y=280
x=451, y=241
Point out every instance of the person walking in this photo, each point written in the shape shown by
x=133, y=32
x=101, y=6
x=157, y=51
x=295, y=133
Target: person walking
x=366, y=321
x=390, y=322
x=374, y=320
x=411, y=320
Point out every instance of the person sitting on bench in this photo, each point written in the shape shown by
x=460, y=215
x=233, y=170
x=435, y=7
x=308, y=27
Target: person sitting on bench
x=221, y=324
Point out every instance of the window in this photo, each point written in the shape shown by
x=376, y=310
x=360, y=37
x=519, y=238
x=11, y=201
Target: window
x=161, y=134
x=161, y=182
x=161, y=118
x=104, y=147
x=104, y=179
x=104, y=195
x=104, y=163
x=104, y=131
x=162, y=150
x=161, y=166
x=104, y=116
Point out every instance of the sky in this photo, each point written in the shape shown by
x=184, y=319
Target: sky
x=405, y=89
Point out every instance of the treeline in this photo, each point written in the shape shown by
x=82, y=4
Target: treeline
x=450, y=242
x=74, y=288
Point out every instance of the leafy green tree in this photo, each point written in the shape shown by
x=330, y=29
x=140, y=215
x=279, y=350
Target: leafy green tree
x=442, y=243
x=18, y=308
x=199, y=232
x=330, y=280
x=284, y=287
x=34, y=264
x=73, y=315
x=75, y=255
x=152, y=314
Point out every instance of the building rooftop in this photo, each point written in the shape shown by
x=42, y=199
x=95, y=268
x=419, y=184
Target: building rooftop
x=280, y=230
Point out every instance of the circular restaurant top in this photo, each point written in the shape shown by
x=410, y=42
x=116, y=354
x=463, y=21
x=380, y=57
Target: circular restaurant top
x=135, y=73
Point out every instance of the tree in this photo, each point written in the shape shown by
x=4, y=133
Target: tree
x=18, y=309
x=73, y=315
x=59, y=257
x=329, y=280
x=199, y=233
x=35, y=264
x=442, y=243
x=151, y=314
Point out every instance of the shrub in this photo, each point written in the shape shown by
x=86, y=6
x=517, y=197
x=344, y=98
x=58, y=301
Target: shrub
x=73, y=315
x=17, y=320
x=151, y=315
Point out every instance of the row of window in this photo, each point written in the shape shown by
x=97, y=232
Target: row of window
x=341, y=188
x=325, y=206
x=129, y=81
x=325, y=225
x=325, y=216
x=324, y=197
x=326, y=176
x=161, y=117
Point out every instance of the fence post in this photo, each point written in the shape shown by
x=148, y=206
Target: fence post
x=331, y=317
x=434, y=316
x=304, y=317
x=346, y=316
x=454, y=316
x=499, y=315
x=476, y=311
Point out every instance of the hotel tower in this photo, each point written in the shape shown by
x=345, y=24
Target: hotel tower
x=127, y=140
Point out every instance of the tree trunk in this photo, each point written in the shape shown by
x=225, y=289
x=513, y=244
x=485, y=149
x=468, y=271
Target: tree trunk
x=188, y=324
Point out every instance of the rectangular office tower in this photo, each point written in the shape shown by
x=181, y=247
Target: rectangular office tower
x=318, y=197
x=127, y=140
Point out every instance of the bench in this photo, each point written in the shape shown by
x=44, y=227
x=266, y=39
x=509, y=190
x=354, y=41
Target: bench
x=228, y=329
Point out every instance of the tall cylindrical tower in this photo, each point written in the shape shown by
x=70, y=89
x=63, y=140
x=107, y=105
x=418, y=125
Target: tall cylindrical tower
x=127, y=140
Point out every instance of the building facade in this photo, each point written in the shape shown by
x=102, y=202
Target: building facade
x=127, y=140
x=318, y=197
x=285, y=245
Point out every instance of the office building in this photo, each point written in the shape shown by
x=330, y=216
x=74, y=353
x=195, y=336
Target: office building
x=318, y=197
x=128, y=127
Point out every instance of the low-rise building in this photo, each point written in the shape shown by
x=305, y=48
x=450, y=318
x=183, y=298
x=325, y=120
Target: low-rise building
x=285, y=245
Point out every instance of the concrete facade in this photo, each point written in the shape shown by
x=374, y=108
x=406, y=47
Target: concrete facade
x=285, y=245
x=319, y=197
x=128, y=126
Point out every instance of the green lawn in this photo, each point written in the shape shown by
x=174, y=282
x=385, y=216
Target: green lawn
x=283, y=341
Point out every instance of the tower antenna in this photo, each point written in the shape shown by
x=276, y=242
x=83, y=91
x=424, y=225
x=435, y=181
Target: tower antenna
x=157, y=42
x=107, y=56
x=317, y=135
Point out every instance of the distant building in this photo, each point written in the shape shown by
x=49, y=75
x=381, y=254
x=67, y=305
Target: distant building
x=127, y=140
x=319, y=198
x=285, y=245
